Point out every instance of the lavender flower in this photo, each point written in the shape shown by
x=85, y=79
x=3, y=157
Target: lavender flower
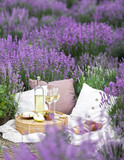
x=111, y=12
x=55, y=146
x=30, y=61
x=18, y=21
x=116, y=112
x=117, y=89
x=37, y=5
x=73, y=38
x=82, y=7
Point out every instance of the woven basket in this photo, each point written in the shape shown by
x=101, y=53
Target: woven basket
x=26, y=126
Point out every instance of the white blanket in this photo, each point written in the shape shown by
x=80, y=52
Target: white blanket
x=10, y=133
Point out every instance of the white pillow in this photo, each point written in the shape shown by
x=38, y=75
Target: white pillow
x=26, y=101
x=88, y=105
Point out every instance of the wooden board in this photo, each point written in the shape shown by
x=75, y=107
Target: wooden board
x=26, y=126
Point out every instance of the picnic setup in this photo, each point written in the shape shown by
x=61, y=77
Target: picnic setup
x=33, y=120
x=35, y=115
x=62, y=80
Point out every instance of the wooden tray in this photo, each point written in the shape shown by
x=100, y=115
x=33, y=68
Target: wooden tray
x=26, y=126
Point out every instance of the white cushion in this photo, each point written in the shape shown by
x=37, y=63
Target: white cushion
x=26, y=101
x=88, y=104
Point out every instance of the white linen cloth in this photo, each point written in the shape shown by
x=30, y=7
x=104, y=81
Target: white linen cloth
x=10, y=133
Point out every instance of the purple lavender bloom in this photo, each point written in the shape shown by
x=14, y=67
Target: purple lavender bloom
x=82, y=7
x=18, y=21
x=110, y=12
x=117, y=89
x=30, y=61
x=55, y=146
x=101, y=61
x=71, y=37
x=38, y=5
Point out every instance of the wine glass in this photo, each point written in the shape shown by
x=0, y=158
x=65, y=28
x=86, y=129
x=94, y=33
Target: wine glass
x=56, y=95
x=49, y=97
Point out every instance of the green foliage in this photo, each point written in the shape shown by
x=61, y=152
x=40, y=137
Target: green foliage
x=69, y=3
x=1, y=31
x=96, y=78
x=38, y=14
x=117, y=50
x=16, y=33
x=99, y=77
x=93, y=48
x=77, y=49
x=112, y=150
x=116, y=113
x=48, y=11
x=8, y=106
x=78, y=86
x=1, y=149
x=116, y=23
x=86, y=17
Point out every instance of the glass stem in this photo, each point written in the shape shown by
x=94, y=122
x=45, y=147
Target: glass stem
x=48, y=106
x=54, y=108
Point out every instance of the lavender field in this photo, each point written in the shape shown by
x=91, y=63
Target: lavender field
x=63, y=39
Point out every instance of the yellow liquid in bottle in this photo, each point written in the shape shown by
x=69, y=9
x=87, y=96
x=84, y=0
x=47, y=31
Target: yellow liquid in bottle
x=39, y=103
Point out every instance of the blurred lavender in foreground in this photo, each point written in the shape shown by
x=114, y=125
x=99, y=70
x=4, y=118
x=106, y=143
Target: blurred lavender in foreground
x=55, y=146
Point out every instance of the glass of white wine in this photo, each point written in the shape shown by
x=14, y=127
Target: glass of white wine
x=56, y=95
x=49, y=98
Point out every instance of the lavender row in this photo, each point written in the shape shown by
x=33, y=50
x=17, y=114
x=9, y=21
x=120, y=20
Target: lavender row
x=30, y=61
x=111, y=12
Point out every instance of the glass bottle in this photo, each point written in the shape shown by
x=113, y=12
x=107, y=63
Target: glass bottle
x=39, y=97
